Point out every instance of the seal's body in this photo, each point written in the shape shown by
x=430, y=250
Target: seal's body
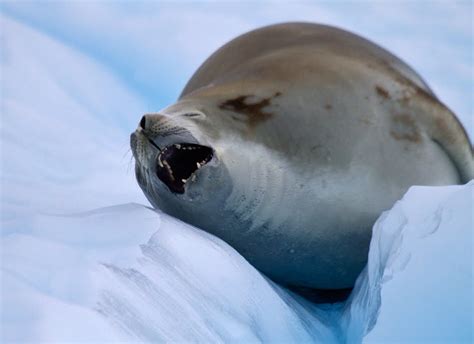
x=289, y=142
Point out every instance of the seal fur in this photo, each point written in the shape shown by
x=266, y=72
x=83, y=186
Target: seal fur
x=307, y=133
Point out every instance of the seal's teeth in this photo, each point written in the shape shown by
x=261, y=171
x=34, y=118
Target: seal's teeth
x=178, y=146
x=159, y=162
x=193, y=178
x=184, y=180
x=198, y=165
x=170, y=171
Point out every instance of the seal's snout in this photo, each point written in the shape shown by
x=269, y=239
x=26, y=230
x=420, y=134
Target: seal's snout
x=178, y=163
x=149, y=120
x=143, y=122
x=165, y=145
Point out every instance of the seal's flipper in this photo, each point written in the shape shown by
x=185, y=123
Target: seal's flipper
x=444, y=129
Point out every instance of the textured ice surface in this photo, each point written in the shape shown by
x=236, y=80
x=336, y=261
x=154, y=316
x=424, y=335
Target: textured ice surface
x=129, y=273
x=418, y=283
x=424, y=248
x=154, y=278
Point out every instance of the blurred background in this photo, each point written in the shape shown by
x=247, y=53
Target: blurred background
x=77, y=76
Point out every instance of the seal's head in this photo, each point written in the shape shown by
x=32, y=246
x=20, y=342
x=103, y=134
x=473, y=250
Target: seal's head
x=177, y=162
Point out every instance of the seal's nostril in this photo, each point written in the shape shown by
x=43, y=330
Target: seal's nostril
x=143, y=122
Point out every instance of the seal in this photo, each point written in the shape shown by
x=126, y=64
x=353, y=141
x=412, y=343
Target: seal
x=289, y=142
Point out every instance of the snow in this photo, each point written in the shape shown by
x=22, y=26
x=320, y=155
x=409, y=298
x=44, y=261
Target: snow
x=157, y=279
x=130, y=273
x=427, y=279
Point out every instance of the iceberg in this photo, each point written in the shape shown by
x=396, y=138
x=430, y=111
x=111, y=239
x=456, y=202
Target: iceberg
x=418, y=283
x=130, y=273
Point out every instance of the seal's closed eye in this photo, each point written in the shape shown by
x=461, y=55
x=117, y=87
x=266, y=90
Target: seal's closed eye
x=191, y=114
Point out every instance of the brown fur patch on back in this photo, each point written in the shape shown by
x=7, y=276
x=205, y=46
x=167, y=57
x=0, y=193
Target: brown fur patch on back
x=443, y=128
x=254, y=111
x=405, y=128
x=382, y=92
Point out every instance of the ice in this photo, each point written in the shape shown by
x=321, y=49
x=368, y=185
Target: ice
x=130, y=273
x=427, y=279
x=181, y=284
x=51, y=277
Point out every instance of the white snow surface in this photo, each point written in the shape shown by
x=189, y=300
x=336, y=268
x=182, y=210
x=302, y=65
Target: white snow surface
x=129, y=273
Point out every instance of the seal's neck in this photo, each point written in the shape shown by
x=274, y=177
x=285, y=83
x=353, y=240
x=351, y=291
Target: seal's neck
x=260, y=184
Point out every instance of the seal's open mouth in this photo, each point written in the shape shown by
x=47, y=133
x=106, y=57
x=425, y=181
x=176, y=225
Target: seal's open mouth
x=177, y=163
